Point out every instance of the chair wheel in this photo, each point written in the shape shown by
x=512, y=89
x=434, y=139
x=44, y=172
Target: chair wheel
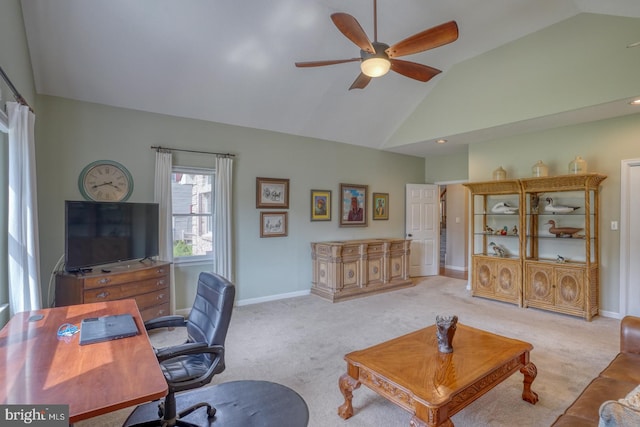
x=211, y=412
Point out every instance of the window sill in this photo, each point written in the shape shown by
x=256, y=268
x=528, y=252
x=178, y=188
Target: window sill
x=190, y=262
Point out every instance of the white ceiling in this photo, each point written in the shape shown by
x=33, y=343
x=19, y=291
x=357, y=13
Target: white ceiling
x=233, y=61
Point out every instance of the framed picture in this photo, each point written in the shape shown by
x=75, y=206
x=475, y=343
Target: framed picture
x=380, y=206
x=272, y=193
x=273, y=224
x=353, y=205
x=320, y=205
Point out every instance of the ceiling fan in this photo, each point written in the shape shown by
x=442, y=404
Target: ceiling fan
x=377, y=58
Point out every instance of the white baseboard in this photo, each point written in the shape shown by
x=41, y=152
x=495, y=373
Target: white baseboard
x=455, y=268
x=610, y=314
x=185, y=311
x=272, y=298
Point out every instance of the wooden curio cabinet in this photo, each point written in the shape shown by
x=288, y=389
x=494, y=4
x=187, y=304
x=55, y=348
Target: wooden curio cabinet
x=561, y=262
x=535, y=242
x=497, y=246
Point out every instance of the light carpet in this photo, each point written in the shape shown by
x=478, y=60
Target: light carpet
x=300, y=342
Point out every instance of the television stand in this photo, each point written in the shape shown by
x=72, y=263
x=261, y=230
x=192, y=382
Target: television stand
x=147, y=283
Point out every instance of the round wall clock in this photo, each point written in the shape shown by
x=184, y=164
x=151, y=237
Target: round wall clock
x=105, y=181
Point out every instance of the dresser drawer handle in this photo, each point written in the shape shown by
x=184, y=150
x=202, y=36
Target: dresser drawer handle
x=160, y=271
x=160, y=282
x=161, y=296
x=104, y=280
x=102, y=294
x=160, y=312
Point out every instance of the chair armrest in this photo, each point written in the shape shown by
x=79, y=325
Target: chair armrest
x=630, y=334
x=187, y=349
x=174, y=321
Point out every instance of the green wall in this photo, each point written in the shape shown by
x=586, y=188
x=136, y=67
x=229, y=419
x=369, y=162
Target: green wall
x=579, y=62
x=447, y=168
x=71, y=134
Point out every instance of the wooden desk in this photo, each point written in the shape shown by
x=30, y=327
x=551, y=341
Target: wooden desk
x=411, y=372
x=36, y=367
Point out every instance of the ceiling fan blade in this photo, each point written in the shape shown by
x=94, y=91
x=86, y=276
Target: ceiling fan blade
x=349, y=26
x=427, y=39
x=329, y=62
x=360, y=82
x=413, y=70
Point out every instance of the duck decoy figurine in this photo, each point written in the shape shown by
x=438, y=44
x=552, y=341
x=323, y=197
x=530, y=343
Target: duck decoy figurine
x=498, y=250
x=504, y=208
x=562, y=231
x=558, y=208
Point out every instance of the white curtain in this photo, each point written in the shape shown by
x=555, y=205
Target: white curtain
x=162, y=196
x=23, y=245
x=222, y=230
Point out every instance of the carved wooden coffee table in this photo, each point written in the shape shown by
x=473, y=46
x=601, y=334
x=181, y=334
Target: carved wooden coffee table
x=412, y=373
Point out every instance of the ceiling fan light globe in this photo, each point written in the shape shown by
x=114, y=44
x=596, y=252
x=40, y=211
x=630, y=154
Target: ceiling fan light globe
x=375, y=67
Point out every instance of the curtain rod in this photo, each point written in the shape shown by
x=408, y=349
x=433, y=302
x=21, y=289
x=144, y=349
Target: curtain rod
x=158, y=148
x=13, y=89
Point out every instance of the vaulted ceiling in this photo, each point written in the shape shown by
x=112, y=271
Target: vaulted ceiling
x=233, y=62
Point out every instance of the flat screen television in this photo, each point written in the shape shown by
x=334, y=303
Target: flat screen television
x=99, y=233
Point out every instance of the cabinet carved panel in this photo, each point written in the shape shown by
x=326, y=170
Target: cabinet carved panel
x=497, y=278
x=351, y=268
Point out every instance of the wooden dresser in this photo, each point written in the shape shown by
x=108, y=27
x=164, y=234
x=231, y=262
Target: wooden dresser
x=350, y=268
x=146, y=282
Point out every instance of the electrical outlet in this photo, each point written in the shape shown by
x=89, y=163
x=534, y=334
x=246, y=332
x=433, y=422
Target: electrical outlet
x=614, y=225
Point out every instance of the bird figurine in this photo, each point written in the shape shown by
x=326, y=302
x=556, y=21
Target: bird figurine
x=562, y=231
x=488, y=230
x=504, y=208
x=514, y=230
x=558, y=208
x=498, y=250
x=560, y=259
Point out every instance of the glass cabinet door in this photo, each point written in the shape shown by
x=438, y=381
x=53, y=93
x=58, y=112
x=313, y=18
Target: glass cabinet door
x=561, y=226
x=496, y=225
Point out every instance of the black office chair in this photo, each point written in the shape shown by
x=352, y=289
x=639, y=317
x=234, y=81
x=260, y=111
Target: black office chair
x=194, y=363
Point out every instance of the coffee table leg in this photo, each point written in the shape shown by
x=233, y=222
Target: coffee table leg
x=434, y=416
x=347, y=385
x=530, y=372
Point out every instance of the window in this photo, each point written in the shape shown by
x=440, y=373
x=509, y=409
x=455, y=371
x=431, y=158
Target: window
x=192, y=196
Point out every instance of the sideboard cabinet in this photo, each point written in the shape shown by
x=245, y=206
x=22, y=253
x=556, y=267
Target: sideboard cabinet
x=146, y=282
x=351, y=268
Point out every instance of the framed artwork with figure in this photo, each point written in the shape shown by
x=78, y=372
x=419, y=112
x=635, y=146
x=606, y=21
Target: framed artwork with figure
x=272, y=193
x=353, y=205
x=380, y=205
x=320, y=205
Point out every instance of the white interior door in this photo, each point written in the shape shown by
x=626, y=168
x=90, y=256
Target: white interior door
x=422, y=227
x=630, y=238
